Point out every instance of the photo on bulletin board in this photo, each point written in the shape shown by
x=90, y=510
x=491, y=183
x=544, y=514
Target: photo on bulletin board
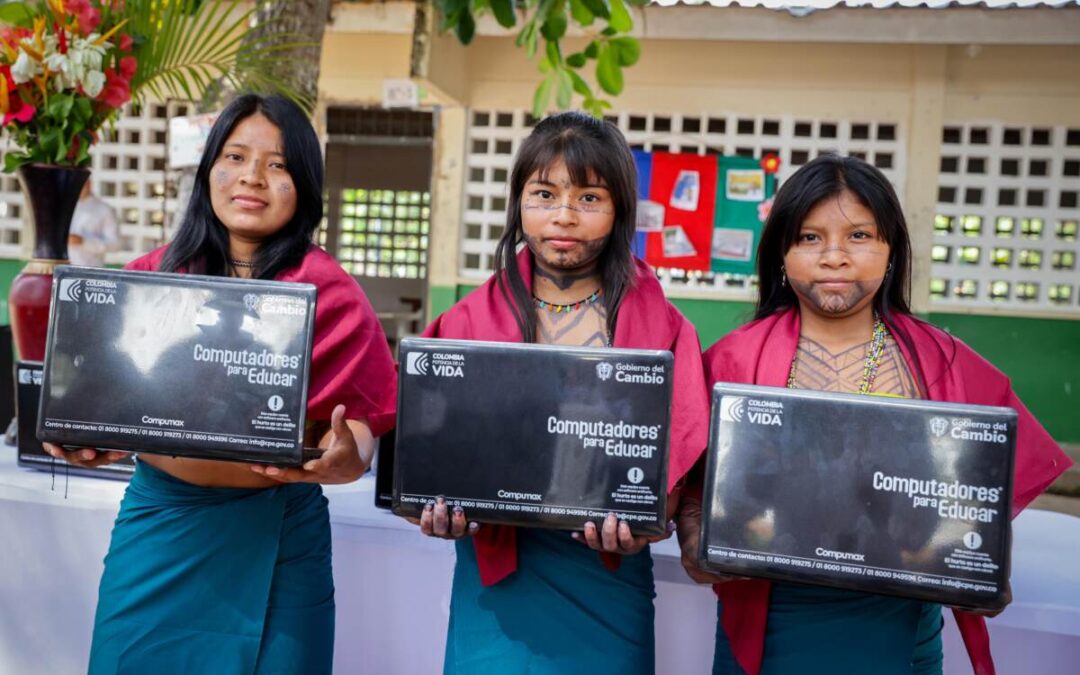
x=650, y=216
x=687, y=191
x=676, y=243
x=731, y=244
x=746, y=185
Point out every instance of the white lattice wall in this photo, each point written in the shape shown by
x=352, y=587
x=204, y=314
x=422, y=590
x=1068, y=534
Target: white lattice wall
x=494, y=137
x=128, y=172
x=1006, y=229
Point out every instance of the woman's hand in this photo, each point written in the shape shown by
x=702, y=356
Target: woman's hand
x=439, y=520
x=85, y=457
x=615, y=536
x=347, y=451
x=689, y=532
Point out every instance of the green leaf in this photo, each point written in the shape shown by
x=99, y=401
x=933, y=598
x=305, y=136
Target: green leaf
x=523, y=34
x=564, y=90
x=627, y=49
x=466, y=27
x=554, y=26
x=13, y=160
x=576, y=60
x=620, y=17
x=554, y=55
x=597, y=7
x=608, y=72
x=593, y=50
x=580, y=85
x=504, y=12
x=531, y=42
x=16, y=13
x=450, y=10
x=582, y=15
x=83, y=109
x=541, y=97
x=60, y=105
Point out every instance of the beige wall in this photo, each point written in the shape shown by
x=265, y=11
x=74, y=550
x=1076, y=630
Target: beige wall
x=689, y=76
x=354, y=65
x=1036, y=85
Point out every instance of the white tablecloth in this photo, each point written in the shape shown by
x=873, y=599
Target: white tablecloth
x=393, y=587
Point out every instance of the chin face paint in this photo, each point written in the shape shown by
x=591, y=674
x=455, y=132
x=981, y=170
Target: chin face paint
x=565, y=257
x=835, y=297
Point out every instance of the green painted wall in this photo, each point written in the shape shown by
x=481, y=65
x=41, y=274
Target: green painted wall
x=1042, y=356
x=8, y=270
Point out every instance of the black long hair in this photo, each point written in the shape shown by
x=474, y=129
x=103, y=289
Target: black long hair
x=590, y=148
x=201, y=244
x=825, y=178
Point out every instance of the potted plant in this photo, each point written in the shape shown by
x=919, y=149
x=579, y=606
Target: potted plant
x=67, y=68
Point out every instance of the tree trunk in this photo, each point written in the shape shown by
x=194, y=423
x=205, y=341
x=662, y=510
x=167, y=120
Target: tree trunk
x=294, y=21
x=279, y=22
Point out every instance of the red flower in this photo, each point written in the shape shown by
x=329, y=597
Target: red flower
x=15, y=109
x=125, y=42
x=770, y=163
x=117, y=89
x=73, y=151
x=89, y=16
x=13, y=35
x=128, y=66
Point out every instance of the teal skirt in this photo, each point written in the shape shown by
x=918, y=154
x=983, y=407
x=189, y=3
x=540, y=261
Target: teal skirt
x=216, y=580
x=813, y=630
x=561, y=613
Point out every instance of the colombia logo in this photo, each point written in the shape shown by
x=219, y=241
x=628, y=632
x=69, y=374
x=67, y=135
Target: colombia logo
x=732, y=409
x=71, y=290
x=417, y=363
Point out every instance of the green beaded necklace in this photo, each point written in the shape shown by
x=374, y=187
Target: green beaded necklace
x=873, y=358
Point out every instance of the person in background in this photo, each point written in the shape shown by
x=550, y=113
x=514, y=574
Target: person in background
x=94, y=230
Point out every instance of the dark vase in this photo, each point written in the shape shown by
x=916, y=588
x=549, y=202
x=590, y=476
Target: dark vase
x=51, y=193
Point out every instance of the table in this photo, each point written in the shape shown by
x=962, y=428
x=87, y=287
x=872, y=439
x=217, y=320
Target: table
x=393, y=586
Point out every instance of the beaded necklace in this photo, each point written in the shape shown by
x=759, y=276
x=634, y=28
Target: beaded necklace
x=873, y=358
x=242, y=263
x=569, y=307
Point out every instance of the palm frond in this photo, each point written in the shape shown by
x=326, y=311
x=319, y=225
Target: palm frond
x=189, y=45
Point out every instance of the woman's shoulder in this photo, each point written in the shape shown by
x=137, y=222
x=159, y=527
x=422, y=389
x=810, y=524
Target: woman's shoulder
x=322, y=270
x=941, y=352
x=751, y=334
x=149, y=262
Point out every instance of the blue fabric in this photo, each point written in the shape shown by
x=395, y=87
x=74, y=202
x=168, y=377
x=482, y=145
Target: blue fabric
x=561, y=613
x=216, y=580
x=813, y=630
x=643, y=163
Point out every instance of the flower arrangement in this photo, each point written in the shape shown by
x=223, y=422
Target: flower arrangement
x=63, y=78
x=67, y=67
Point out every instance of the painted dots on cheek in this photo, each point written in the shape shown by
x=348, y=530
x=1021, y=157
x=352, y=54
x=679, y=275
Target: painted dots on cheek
x=284, y=188
x=221, y=177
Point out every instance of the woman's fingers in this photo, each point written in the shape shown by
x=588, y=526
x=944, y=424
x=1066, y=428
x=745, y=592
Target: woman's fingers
x=437, y=519
x=609, y=533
